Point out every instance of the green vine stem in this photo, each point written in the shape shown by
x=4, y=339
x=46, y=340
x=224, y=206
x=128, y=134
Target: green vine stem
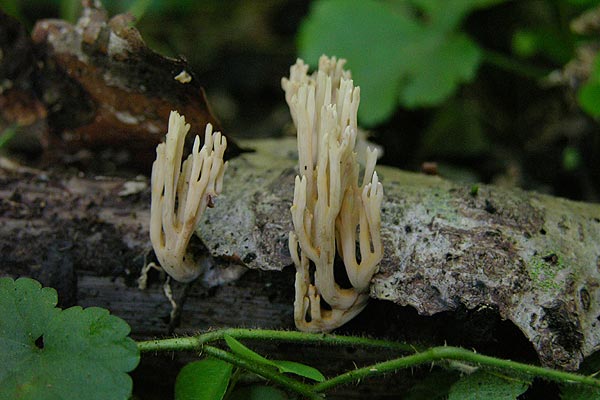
x=196, y=342
x=443, y=353
x=419, y=356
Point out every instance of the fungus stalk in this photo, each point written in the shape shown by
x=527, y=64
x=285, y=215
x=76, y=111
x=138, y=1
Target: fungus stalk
x=331, y=212
x=181, y=193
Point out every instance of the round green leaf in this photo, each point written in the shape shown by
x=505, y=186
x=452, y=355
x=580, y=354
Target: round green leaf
x=435, y=386
x=203, y=380
x=258, y=392
x=482, y=385
x=48, y=353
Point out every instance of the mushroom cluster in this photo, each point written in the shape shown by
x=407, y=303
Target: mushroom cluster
x=181, y=193
x=331, y=213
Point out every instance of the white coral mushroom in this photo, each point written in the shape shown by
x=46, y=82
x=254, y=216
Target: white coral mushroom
x=331, y=212
x=181, y=193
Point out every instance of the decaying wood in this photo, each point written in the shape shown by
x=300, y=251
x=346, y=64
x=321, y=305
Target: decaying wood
x=532, y=259
x=95, y=85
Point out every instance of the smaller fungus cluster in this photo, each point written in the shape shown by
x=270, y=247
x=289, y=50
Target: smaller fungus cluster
x=181, y=193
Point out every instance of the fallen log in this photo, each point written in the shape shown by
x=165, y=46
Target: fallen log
x=532, y=258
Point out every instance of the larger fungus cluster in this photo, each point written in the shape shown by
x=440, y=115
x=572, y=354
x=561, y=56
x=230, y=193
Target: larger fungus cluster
x=332, y=213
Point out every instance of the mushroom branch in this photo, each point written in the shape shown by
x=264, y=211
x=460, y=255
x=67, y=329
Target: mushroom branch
x=330, y=206
x=181, y=193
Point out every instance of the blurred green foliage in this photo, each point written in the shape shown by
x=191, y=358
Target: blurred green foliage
x=7, y=135
x=414, y=53
x=408, y=52
x=589, y=94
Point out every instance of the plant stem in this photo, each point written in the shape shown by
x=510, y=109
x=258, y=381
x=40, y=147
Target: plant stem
x=172, y=344
x=455, y=353
x=268, y=373
x=442, y=353
x=196, y=342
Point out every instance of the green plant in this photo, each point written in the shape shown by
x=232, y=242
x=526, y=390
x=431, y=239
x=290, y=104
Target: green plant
x=49, y=353
x=414, y=53
x=404, y=52
x=7, y=135
x=588, y=95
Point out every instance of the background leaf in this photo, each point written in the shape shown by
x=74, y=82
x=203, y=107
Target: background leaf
x=482, y=385
x=395, y=54
x=54, y=354
x=578, y=392
x=258, y=392
x=435, y=386
x=589, y=98
x=205, y=379
x=590, y=366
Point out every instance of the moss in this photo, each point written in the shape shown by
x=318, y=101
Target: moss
x=544, y=269
x=439, y=203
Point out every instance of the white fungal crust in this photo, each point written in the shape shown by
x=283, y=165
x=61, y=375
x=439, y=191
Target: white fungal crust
x=331, y=212
x=181, y=193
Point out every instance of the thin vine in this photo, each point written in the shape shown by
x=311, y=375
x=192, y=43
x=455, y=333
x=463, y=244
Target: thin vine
x=444, y=355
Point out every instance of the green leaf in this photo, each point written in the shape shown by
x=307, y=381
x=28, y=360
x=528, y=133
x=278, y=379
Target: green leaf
x=283, y=366
x=300, y=369
x=138, y=8
x=206, y=379
x=245, y=352
x=258, y=392
x=435, y=386
x=49, y=353
x=579, y=392
x=456, y=60
x=590, y=366
x=482, y=385
x=395, y=56
x=372, y=37
x=589, y=98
